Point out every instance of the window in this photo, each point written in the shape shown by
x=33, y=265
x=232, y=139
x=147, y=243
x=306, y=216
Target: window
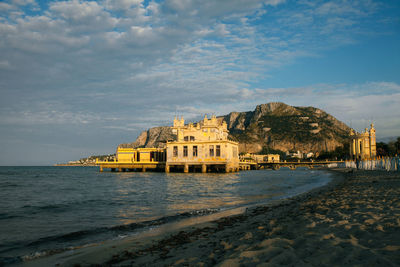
x=194, y=151
x=218, y=151
x=192, y=138
x=211, y=151
x=186, y=138
x=185, y=151
x=175, y=152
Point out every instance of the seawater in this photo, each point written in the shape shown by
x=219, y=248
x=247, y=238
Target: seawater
x=52, y=209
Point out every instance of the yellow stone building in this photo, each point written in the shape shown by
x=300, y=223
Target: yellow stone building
x=132, y=155
x=130, y=159
x=363, y=145
x=204, y=145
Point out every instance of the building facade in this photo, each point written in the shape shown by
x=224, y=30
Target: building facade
x=133, y=155
x=204, y=145
x=363, y=145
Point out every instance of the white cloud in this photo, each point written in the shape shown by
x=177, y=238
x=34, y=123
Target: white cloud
x=6, y=7
x=75, y=11
x=47, y=114
x=274, y=2
x=5, y=65
x=122, y=4
x=24, y=2
x=82, y=17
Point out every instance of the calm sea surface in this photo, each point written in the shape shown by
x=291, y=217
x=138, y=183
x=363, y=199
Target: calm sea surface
x=51, y=209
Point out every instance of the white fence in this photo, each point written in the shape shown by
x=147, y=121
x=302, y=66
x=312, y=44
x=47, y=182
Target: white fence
x=388, y=164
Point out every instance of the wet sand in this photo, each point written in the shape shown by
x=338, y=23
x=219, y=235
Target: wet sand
x=354, y=221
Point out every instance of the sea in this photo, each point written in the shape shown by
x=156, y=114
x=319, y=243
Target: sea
x=48, y=210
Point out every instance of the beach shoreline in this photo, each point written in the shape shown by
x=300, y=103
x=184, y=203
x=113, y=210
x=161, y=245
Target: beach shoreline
x=339, y=223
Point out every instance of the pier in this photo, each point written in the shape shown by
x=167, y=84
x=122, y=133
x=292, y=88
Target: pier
x=204, y=167
x=115, y=166
x=130, y=166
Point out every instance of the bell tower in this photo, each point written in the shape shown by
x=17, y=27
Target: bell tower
x=372, y=141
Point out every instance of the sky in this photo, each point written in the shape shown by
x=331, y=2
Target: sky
x=77, y=78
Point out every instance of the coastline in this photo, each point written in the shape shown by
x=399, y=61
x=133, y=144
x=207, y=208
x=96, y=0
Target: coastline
x=333, y=224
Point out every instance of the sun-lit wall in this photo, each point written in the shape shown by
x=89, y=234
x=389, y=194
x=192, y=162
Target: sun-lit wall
x=363, y=145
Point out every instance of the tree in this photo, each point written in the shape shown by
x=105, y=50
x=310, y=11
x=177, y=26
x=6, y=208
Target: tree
x=382, y=149
x=340, y=152
x=388, y=149
x=392, y=148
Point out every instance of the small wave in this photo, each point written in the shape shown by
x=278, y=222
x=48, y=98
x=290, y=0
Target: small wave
x=9, y=173
x=5, y=216
x=57, y=208
x=7, y=184
x=9, y=260
x=35, y=255
x=118, y=229
x=55, y=244
x=54, y=207
x=162, y=220
x=40, y=254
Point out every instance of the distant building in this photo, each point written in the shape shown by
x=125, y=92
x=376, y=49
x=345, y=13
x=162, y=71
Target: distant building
x=202, y=145
x=308, y=155
x=296, y=154
x=363, y=145
x=272, y=158
x=261, y=158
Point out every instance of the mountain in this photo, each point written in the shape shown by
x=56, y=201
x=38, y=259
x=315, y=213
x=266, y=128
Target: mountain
x=153, y=137
x=274, y=126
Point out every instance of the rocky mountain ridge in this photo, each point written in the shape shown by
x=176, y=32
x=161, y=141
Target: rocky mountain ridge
x=271, y=126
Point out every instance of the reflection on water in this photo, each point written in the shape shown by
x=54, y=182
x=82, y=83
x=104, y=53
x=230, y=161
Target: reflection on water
x=154, y=195
x=201, y=191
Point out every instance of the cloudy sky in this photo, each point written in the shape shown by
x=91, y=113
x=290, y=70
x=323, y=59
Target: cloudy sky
x=79, y=77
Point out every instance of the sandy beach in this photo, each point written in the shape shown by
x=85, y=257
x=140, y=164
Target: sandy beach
x=354, y=221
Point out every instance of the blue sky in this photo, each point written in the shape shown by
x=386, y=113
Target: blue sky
x=79, y=77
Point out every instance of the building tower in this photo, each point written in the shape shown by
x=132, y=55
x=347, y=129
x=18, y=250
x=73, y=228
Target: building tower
x=363, y=145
